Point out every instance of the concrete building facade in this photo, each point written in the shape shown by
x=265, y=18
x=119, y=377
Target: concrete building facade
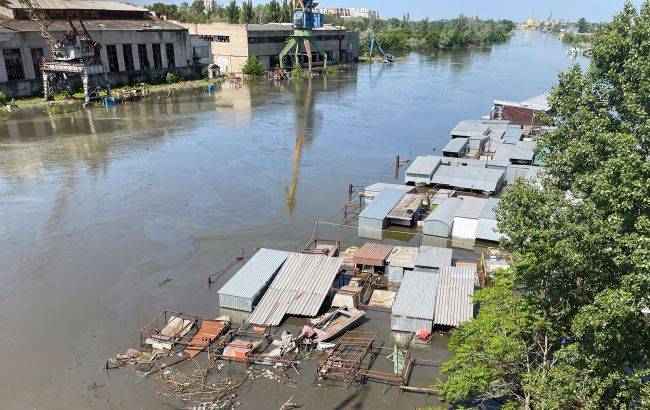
x=134, y=43
x=233, y=44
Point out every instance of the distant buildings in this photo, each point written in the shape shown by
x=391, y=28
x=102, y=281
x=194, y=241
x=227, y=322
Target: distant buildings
x=350, y=12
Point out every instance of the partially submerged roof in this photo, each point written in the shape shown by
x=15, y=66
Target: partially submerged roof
x=454, y=303
x=433, y=257
x=416, y=296
x=255, y=274
x=471, y=207
x=456, y=145
x=379, y=186
x=407, y=207
x=424, y=165
x=383, y=203
x=445, y=211
x=372, y=254
x=403, y=257
x=473, y=178
x=298, y=289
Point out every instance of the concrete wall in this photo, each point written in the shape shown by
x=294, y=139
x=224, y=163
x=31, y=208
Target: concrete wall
x=25, y=41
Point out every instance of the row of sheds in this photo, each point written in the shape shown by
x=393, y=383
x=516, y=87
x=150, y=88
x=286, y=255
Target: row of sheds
x=426, y=298
x=273, y=284
x=464, y=217
x=389, y=205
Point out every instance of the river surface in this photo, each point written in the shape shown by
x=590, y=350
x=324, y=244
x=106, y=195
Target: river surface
x=98, y=208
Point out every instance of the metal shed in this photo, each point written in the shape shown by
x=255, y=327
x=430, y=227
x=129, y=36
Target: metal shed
x=466, y=218
x=422, y=169
x=454, y=304
x=431, y=258
x=486, y=229
x=406, y=211
x=400, y=258
x=371, y=191
x=298, y=289
x=469, y=178
x=475, y=130
x=374, y=216
x=245, y=288
x=415, y=302
x=441, y=220
x=456, y=147
x=372, y=254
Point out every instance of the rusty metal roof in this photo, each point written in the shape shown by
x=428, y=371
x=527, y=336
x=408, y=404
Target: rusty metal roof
x=298, y=289
x=77, y=5
x=372, y=254
x=454, y=303
x=95, y=25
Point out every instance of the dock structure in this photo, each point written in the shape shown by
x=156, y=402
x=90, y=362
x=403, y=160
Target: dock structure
x=406, y=211
x=422, y=169
x=441, y=220
x=431, y=258
x=467, y=216
x=453, y=302
x=246, y=287
x=298, y=289
x=374, y=218
x=415, y=303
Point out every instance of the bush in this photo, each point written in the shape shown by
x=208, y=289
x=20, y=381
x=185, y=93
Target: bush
x=76, y=87
x=253, y=67
x=330, y=70
x=172, y=78
x=298, y=72
x=3, y=98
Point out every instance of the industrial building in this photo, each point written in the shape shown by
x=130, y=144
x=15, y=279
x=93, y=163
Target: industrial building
x=232, y=44
x=134, y=42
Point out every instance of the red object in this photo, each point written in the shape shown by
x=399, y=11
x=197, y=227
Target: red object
x=423, y=334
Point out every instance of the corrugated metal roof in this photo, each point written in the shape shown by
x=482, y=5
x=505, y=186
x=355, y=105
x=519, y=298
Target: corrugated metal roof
x=471, y=207
x=488, y=209
x=473, y=129
x=475, y=178
x=445, y=211
x=255, y=274
x=416, y=296
x=465, y=162
x=433, y=257
x=424, y=165
x=456, y=145
x=372, y=254
x=523, y=151
x=454, y=300
x=486, y=230
x=379, y=186
x=78, y=5
x=298, y=289
x=383, y=203
x=403, y=256
x=95, y=25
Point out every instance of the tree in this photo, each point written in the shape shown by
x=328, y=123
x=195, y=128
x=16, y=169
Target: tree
x=581, y=241
x=253, y=67
x=286, y=12
x=232, y=12
x=197, y=7
x=274, y=12
x=247, y=12
x=583, y=25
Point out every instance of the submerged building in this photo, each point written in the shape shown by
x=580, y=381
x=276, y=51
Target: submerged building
x=232, y=44
x=134, y=43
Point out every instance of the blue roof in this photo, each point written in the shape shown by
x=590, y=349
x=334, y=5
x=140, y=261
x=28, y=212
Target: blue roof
x=383, y=203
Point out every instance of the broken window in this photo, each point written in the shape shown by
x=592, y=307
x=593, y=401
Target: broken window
x=169, y=49
x=142, y=56
x=37, y=56
x=127, y=51
x=157, y=57
x=14, y=64
x=113, y=64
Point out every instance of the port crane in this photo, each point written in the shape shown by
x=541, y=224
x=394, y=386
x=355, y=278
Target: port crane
x=387, y=58
x=75, y=54
x=305, y=19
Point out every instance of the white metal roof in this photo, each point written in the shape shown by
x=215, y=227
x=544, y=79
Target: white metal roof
x=433, y=257
x=255, y=274
x=471, y=207
x=424, y=165
x=383, y=203
x=298, y=289
x=445, y=211
x=379, y=186
x=416, y=296
x=454, y=303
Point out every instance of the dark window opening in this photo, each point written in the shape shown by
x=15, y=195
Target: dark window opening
x=14, y=64
x=142, y=56
x=111, y=52
x=169, y=49
x=127, y=50
x=157, y=57
x=37, y=56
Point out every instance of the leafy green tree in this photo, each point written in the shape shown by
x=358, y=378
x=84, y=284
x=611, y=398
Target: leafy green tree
x=232, y=12
x=197, y=7
x=274, y=12
x=583, y=25
x=286, y=12
x=253, y=67
x=581, y=241
x=247, y=12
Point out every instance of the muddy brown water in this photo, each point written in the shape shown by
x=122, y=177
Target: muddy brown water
x=99, y=207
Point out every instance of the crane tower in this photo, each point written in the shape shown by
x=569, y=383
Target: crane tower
x=305, y=19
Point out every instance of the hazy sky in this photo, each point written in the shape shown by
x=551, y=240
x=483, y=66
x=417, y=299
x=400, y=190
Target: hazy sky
x=519, y=10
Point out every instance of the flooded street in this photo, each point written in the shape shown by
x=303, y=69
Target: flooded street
x=98, y=208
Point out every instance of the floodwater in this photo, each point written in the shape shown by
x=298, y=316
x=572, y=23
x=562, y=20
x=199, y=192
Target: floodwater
x=99, y=208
